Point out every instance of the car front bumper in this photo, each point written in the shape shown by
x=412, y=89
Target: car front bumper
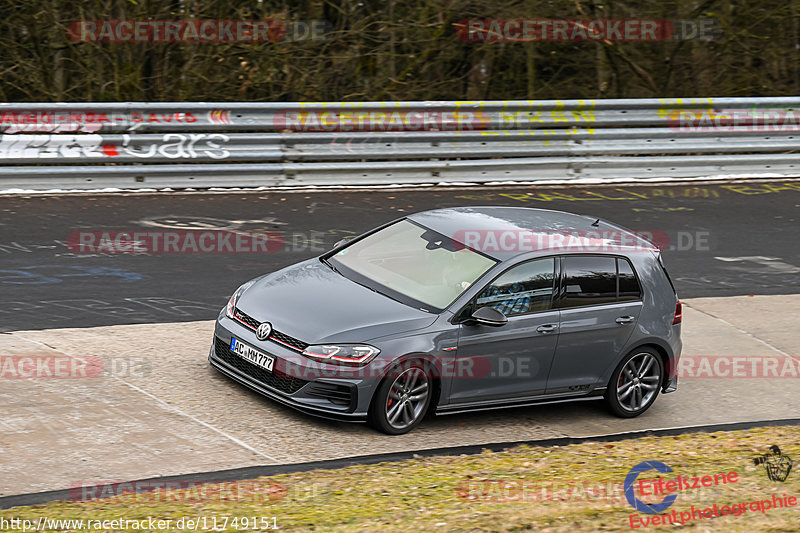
x=290, y=383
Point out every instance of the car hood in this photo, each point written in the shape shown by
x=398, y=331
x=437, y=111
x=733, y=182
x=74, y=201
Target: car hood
x=312, y=303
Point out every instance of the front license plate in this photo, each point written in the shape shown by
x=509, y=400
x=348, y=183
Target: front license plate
x=251, y=354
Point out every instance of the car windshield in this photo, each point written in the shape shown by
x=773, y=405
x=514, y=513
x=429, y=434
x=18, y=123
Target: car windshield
x=409, y=261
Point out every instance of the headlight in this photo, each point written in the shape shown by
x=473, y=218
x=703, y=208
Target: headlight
x=235, y=298
x=354, y=354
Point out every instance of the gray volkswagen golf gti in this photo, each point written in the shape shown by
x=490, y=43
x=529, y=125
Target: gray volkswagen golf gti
x=456, y=310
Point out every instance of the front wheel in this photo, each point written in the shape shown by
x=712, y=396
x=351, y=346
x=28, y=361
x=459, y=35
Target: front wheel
x=402, y=399
x=635, y=383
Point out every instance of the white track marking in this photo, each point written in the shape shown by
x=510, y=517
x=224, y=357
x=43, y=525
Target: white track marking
x=773, y=264
x=164, y=404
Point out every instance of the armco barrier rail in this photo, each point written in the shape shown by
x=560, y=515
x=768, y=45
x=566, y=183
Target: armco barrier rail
x=151, y=145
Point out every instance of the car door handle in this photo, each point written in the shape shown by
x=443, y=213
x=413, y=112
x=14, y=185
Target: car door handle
x=547, y=328
x=625, y=319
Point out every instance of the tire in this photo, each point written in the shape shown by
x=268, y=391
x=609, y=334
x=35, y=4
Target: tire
x=402, y=399
x=635, y=383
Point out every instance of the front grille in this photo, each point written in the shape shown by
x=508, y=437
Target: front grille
x=247, y=319
x=286, y=339
x=275, y=380
x=275, y=336
x=337, y=394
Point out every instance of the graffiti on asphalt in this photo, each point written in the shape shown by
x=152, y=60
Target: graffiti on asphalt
x=46, y=274
x=191, y=222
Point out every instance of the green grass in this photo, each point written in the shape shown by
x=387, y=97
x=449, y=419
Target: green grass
x=442, y=494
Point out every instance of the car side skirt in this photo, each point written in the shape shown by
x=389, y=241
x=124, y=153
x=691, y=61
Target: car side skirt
x=596, y=394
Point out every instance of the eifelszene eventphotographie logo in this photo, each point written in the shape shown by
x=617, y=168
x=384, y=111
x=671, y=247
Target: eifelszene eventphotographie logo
x=654, y=513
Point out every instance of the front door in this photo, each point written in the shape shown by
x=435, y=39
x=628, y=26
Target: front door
x=513, y=360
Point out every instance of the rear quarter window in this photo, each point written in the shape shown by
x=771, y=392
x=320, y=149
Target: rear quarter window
x=628, y=284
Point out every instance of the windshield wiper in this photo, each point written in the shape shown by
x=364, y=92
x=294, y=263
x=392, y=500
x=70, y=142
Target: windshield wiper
x=325, y=260
x=376, y=291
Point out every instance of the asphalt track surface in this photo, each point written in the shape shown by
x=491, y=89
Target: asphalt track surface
x=732, y=239
x=723, y=240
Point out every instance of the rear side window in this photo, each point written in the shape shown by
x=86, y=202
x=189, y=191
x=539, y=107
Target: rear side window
x=594, y=280
x=589, y=280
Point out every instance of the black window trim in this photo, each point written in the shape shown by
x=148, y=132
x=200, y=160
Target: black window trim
x=563, y=289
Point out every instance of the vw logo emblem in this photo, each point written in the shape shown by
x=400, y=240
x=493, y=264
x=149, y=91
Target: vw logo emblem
x=263, y=331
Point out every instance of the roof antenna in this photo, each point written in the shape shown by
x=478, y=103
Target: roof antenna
x=596, y=223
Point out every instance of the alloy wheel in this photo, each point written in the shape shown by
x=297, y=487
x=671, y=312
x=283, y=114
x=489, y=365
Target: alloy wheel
x=638, y=382
x=407, y=398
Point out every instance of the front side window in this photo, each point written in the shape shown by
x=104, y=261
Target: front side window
x=594, y=280
x=413, y=264
x=525, y=288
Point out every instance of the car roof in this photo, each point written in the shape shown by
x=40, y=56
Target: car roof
x=472, y=224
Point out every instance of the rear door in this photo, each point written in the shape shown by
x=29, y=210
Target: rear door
x=599, y=301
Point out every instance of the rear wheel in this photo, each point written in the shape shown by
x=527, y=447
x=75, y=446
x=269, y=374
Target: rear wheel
x=635, y=383
x=402, y=399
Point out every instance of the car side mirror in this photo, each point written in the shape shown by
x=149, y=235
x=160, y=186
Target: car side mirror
x=342, y=241
x=489, y=316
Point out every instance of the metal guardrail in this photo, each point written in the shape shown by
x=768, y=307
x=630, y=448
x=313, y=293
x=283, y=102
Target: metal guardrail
x=146, y=145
